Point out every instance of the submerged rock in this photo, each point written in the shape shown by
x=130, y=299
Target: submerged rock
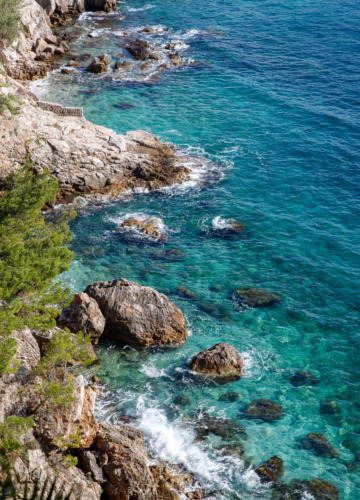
x=257, y=297
x=83, y=315
x=264, y=409
x=99, y=64
x=186, y=293
x=329, y=407
x=206, y=424
x=316, y=489
x=138, y=315
x=318, y=444
x=174, y=254
x=182, y=400
x=221, y=360
x=303, y=377
x=147, y=226
x=230, y=396
x=233, y=449
x=271, y=470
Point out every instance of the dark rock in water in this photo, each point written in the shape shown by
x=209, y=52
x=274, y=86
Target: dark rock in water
x=124, y=105
x=99, y=64
x=233, y=449
x=83, y=315
x=221, y=360
x=147, y=30
x=271, y=470
x=145, y=66
x=209, y=308
x=303, y=377
x=147, y=226
x=257, y=297
x=352, y=442
x=317, y=443
x=230, y=396
x=184, y=292
x=139, y=49
x=154, y=57
x=317, y=489
x=103, y=5
x=329, y=407
x=215, y=288
x=222, y=427
x=175, y=59
x=182, y=400
x=174, y=254
x=66, y=71
x=264, y=409
x=170, y=46
x=138, y=315
x=122, y=65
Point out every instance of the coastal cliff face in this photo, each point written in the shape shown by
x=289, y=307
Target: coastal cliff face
x=85, y=158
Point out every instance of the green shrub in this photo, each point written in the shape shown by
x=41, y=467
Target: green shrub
x=9, y=19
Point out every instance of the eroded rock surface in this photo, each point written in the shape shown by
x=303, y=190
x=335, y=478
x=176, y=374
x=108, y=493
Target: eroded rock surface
x=271, y=470
x=221, y=360
x=83, y=315
x=138, y=315
x=257, y=297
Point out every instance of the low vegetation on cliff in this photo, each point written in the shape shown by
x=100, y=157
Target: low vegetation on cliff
x=9, y=19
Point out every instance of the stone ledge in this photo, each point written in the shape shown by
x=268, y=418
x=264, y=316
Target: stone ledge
x=60, y=110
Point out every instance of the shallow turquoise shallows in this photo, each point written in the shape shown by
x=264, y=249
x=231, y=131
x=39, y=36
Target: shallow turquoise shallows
x=270, y=96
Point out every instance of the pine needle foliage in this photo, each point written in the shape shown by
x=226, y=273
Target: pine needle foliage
x=9, y=19
x=33, y=251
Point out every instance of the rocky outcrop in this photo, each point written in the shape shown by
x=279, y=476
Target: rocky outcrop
x=174, y=484
x=63, y=422
x=264, y=409
x=103, y=5
x=83, y=315
x=84, y=158
x=138, y=315
x=99, y=64
x=271, y=470
x=139, y=49
x=317, y=443
x=257, y=297
x=127, y=471
x=221, y=360
x=316, y=489
x=146, y=226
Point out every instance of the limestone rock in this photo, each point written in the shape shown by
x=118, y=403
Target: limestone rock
x=138, y=315
x=55, y=422
x=318, y=444
x=139, y=49
x=257, y=297
x=264, y=409
x=90, y=464
x=84, y=315
x=147, y=226
x=171, y=483
x=127, y=471
x=271, y=470
x=99, y=64
x=221, y=360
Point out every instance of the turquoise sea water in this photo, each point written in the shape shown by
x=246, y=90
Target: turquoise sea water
x=270, y=96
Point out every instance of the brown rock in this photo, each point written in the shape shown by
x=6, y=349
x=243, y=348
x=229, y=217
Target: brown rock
x=146, y=226
x=257, y=297
x=73, y=64
x=221, y=360
x=99, y=64
x=52, y=423
x=139, y=49
x=122, y=65
x=128, y=474
x=264, y=409
x=316, y=489
x=147, y=30
x=271, y=470
x=83, y=315
x=170, y=46
x=138, y=315
x=171, y=483
x=318, y=444
x=175, y=59
x=66, y=71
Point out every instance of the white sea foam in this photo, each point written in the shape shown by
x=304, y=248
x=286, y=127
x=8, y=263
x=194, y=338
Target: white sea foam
x=220, y=223
x=151, y=371
x=132, y=232
x=147, y=6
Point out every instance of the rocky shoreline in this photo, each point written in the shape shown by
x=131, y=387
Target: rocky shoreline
x=89, y=160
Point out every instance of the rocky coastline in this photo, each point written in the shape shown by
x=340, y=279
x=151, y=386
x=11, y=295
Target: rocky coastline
x=89, y=160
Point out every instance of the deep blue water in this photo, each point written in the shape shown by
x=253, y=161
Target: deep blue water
x=270, y=95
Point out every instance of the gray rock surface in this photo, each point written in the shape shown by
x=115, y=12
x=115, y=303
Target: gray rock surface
x=221, y=360
x=83, y=315
x=138, y=315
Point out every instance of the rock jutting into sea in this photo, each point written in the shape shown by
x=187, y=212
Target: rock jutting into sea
x=220, y=361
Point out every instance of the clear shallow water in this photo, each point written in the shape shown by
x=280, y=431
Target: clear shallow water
x=271, y=95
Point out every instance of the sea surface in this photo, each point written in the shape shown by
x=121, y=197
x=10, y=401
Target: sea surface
x=269, y=99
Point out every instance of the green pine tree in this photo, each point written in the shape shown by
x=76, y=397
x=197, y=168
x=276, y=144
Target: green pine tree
x=33, y=251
